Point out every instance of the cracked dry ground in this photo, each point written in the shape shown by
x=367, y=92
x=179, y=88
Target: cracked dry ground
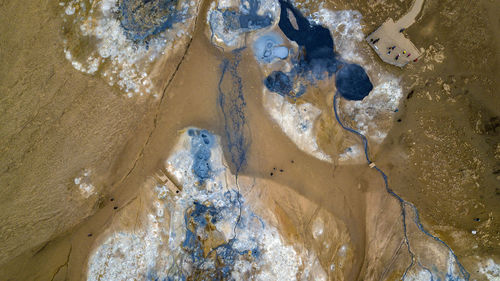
x=56, y=121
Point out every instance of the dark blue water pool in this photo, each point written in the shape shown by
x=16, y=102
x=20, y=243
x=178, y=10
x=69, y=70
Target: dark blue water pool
x=319, y=57
x=353, y=82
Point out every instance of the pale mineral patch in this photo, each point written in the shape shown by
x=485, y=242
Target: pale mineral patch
x=84, y=184
x=296, y=121
x=490, y=270
x=118, y=59
x=317, y=228
x=158, y=243
x=373, y=114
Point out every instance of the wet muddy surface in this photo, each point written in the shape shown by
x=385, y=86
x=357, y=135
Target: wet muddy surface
x=200, y=142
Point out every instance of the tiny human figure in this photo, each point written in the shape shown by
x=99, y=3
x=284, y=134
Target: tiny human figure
x=404, y=52
x=371, y=39
x=401, y=30
x=376, y=40
x=415, y=60
x=408, y=55
x=393, y=47
x=397, y=57
x=389, y=52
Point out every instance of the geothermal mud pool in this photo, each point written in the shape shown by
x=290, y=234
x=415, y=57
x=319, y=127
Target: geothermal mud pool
x=249, y=152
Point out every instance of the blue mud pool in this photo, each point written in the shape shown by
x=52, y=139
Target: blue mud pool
x=243, y=19
x=218, y=263
x=142, y=19
x=268, y=48
x=201, y=143
x=249, y=18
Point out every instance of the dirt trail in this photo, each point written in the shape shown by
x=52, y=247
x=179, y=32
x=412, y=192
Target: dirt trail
x=410, y=17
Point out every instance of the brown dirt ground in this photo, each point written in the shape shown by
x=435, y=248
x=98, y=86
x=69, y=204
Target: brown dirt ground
x=443, y=153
